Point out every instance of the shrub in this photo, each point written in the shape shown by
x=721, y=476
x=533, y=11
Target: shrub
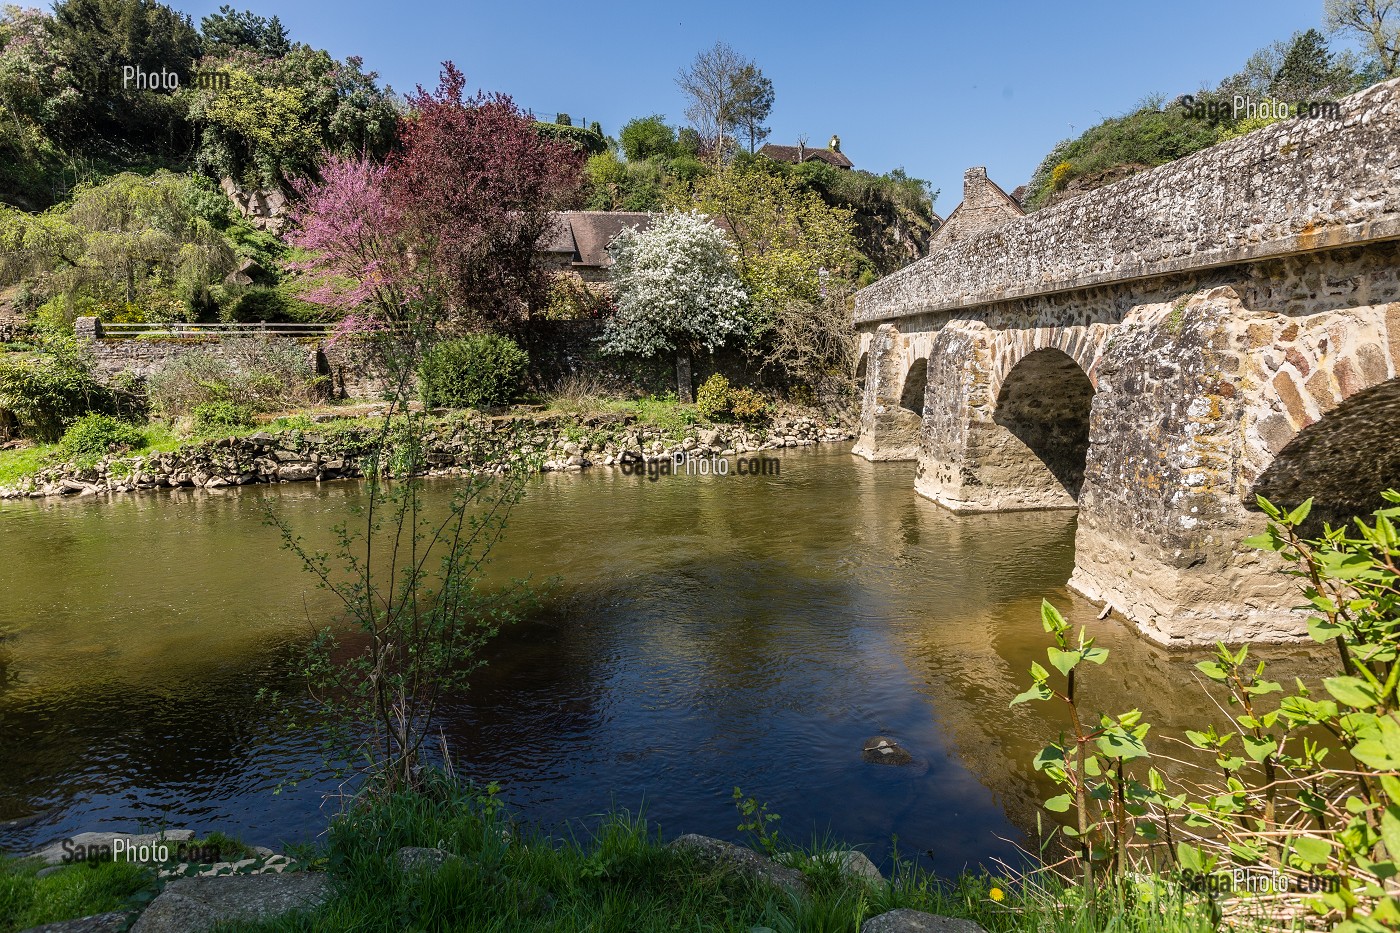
x=257, y=305
x=95, y=435
x=747, y=405
x=213, y=417
x=472, y=372
x=259, y=373
x=713, y=398
x=46, y=394
x=1304, y=779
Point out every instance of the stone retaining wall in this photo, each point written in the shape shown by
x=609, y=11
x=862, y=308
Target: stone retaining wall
x=563, y=444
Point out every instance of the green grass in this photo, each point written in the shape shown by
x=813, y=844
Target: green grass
x=664, y=414
x=15, y=465
x=72, y=891
x=622, y=878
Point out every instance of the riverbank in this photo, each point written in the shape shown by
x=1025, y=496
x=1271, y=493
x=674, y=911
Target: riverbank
x=450, y=857
x=322, y=446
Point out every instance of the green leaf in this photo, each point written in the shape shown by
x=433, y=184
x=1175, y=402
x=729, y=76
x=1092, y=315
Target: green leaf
x=1263, y=542
x=1214, y=670
x=1036, y=692
x=1312, y=850
x=1059, y=804
x=1390, y=830
x=1260, y=749
x=1300, y=514
x=1063, y=661
x=1353, y=691
x=1190, y=858
x=1050, y=618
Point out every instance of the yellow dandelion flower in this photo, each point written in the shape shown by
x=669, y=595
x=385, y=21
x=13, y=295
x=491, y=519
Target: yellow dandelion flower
x=997, y=894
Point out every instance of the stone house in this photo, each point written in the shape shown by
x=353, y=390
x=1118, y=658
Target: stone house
x=831, y=155
x=578, y=243
x=984, y=206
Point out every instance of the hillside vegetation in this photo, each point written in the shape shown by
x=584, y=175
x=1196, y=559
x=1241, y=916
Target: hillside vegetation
x=1302, y=70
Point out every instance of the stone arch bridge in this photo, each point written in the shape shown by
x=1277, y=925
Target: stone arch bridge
x=1155, y=353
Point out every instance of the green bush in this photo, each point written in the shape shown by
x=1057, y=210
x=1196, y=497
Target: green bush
x=96, y=435
x=257, y=305
x=472, y=372
x=747, y=405
x=259, y=373
x=212, y=417
x=713, y=398
x=48, y=393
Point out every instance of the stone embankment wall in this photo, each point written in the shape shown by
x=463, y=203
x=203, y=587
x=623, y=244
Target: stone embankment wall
x=562, y=445
x=347, y=369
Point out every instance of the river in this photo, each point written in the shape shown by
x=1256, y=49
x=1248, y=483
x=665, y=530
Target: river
x=705, y=632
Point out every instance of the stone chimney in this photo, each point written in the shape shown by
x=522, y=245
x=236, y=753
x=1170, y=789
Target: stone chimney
x=975, y=191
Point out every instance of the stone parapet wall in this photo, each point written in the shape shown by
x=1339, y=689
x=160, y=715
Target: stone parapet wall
x=1295, y=186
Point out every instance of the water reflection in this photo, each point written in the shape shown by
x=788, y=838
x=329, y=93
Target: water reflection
x=705, y=632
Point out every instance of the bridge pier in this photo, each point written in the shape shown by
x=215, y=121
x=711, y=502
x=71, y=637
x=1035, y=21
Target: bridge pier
x=893, y=407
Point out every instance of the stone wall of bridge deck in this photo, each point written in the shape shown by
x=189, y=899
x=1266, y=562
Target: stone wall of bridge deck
x=1294, y=187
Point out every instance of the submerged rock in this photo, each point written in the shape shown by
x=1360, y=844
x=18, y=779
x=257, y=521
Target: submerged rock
x=882, y=751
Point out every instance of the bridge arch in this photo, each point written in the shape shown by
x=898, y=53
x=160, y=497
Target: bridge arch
x=1043, y=406
x=1343, y=461
x=914, y=387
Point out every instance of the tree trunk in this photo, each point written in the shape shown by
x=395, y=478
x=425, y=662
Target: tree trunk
x=683, y=379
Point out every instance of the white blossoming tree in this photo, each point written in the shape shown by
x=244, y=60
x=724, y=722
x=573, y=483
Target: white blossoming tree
x=677, y=290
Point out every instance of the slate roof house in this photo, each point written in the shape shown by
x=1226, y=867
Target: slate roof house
x=579, y=241
x=831, y=155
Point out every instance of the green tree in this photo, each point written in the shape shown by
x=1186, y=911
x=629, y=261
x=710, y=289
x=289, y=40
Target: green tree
x=790, y=243
x=1375, y=22
x=98, y=39
x=647, y=137
x=230, y=30
x=279, y=114
x=752, y=102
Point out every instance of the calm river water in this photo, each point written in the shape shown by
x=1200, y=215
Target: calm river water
x=706, y=632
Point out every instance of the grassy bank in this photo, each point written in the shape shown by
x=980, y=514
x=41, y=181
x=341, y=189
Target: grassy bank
x=622, y=877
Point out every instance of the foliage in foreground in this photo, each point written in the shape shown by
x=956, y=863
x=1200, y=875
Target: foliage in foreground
x=621, y=877
x=27, y=900
x=1298, y=791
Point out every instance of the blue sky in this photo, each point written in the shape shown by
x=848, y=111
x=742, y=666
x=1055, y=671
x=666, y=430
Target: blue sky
x=932, y=87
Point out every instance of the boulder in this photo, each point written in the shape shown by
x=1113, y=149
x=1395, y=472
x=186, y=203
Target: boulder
x=883, y=751
x=114, y=922
x=744, y=861
x=62, y=851
x=414, y=858
x=905, y=920
x=195, y=904
x=857, y=866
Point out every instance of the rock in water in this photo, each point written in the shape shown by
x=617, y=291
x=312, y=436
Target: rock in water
x=883, y=751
